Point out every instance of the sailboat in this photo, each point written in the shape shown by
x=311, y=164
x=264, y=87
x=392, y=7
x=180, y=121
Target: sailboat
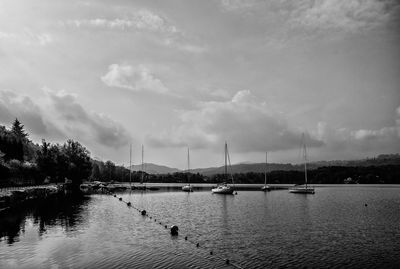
x=224, y=188
x=130, y=167
x=188, y=187
x=265, y=187
x=142, y=186
x=303, y=189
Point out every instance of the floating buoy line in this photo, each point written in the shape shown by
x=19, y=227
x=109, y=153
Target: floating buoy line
x=174, y=230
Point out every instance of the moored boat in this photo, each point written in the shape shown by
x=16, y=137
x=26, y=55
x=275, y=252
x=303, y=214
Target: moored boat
x=188, y=187
x=303, y=189
x=224, y=188
x=265, y=187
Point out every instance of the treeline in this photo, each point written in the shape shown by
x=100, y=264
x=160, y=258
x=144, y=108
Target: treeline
x=385, y=174
x=23, y=162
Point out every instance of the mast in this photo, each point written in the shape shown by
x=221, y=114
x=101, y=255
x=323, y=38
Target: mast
x=141, y=182
x=305, y=159
x=188, y=161
x=130, y=166
x=265, y=172
x=226, y=161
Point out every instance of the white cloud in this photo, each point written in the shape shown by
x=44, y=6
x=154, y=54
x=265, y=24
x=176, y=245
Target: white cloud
x=27, y=37
x=346, y=15
x=247, y=124
x=235, y=5
x=133, y=78
x=140, y=20
x=386, y=139
x=164, y=32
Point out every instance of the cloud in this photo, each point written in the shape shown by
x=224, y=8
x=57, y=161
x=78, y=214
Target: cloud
x=287, y=22
x=62, y=118
x=140, y=20
x=163, y=32
x=13, y=106
x=27, y=37
x=385, y=139
x=85, y=125
x=133, y=78
x=239, y=5
x=246, y=123
x=346, y=15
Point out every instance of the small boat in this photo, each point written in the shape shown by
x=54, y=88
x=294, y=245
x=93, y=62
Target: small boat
x=265, y=187
x=224, y=188
x=188, y=187
x=303, y=189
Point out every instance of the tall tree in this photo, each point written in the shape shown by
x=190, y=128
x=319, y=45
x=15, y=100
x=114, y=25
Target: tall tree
x=18, y=130
x=95, y=171
x=79, y=162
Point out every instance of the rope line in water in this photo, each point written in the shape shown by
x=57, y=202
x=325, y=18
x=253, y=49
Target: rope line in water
x=144, y=213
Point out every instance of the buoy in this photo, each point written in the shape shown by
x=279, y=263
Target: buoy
x=227, y=261
x=185, y=237
x=197, y=245
x=128, y=204
x=366, y=205
x=143, y=212
x=150, y=217
x=115, y=195
x=211, y=253
x=165, y=226
x=235, y=192
x=174, y=230
x=120, y=198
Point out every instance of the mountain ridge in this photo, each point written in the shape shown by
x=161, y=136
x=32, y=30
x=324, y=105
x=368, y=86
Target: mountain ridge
x=383, y=159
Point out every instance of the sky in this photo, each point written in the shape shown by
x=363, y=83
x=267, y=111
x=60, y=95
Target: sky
x=174, y=74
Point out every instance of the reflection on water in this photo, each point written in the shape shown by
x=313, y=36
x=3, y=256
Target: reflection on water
x=332, y=228
x=62, y=212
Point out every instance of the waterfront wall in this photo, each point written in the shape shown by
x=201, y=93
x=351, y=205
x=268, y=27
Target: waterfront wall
x=12, y=197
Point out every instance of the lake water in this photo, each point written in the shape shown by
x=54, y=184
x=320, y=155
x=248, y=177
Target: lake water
x=342, y=227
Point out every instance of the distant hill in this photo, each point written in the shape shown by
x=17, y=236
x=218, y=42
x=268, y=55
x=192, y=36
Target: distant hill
x=246, y=168
x=384, y=159
x=155, y=169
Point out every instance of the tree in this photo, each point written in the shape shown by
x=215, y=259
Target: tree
x=95, y=172
x=79, y=165
x=47, y=161
x=109, y=170
x=18, y=130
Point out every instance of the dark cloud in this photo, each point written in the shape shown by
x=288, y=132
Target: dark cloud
x=22, y=107
x=84, y=124
x=63, y=118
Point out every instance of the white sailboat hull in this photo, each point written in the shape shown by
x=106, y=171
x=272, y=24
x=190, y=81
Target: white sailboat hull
x=302, y=190
x=266, y=188
x=187, y=188
x=223, y=190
